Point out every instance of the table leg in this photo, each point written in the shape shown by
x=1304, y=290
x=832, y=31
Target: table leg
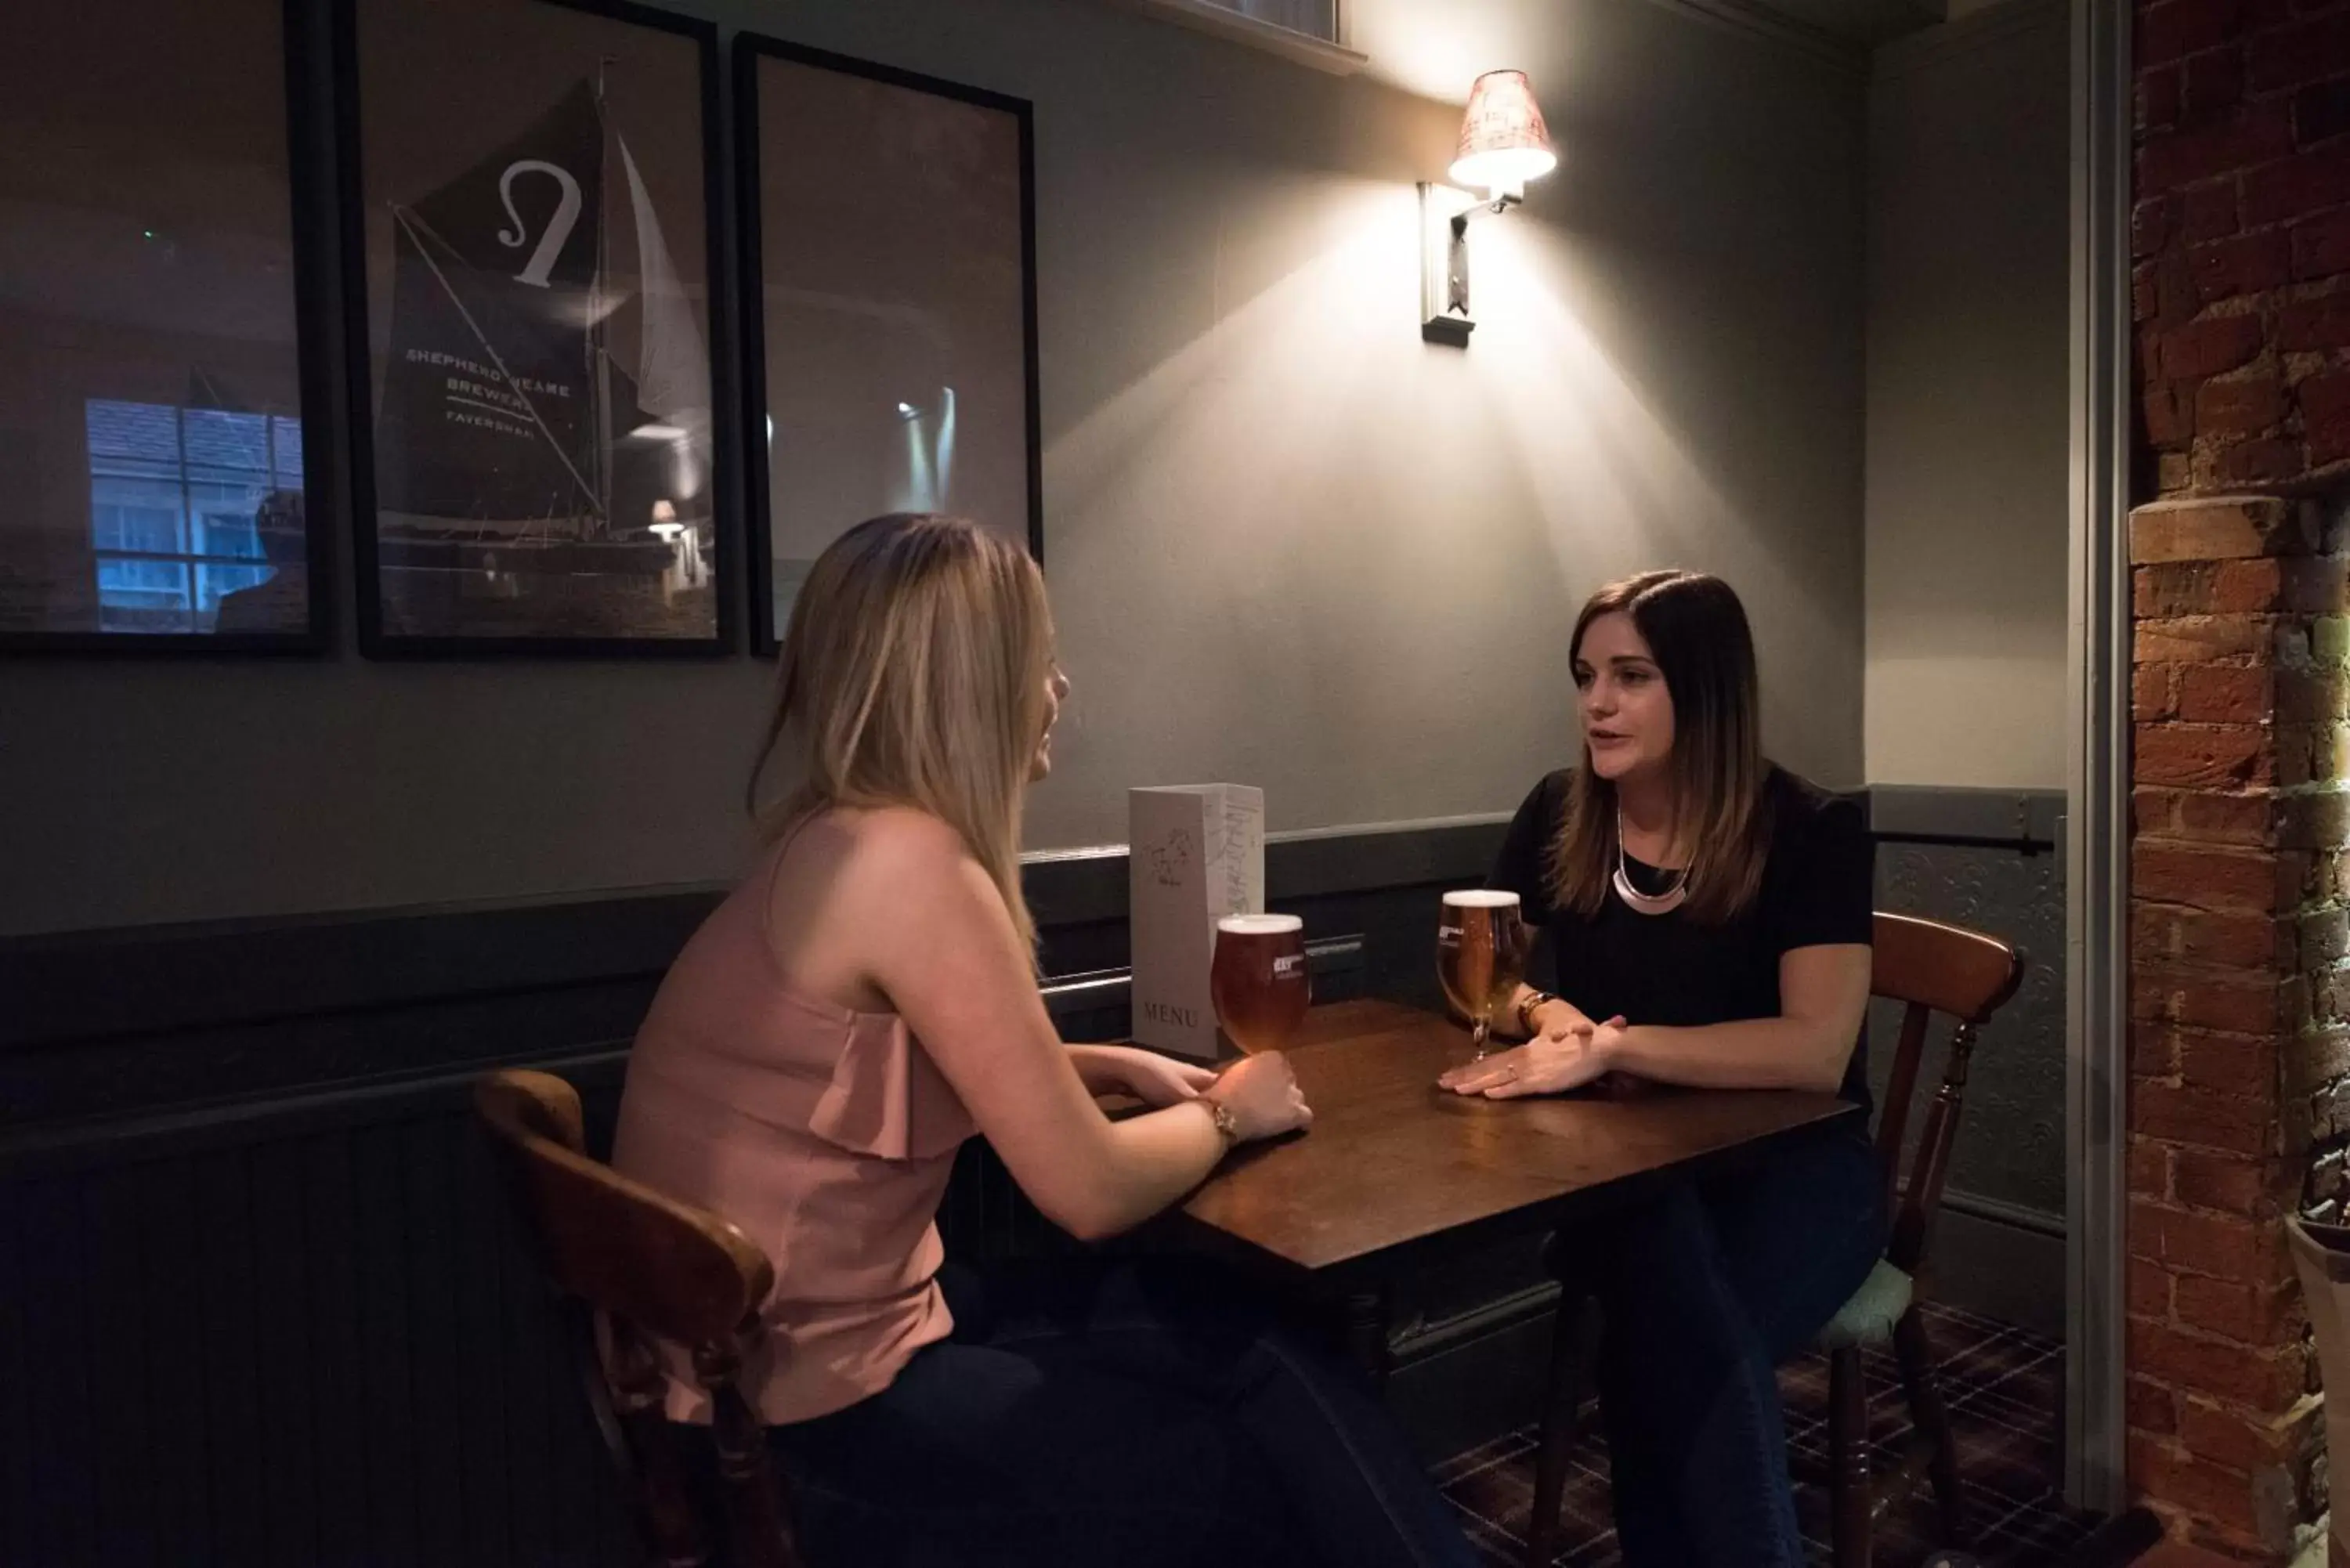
x=1570, y=1353
x=1364, y=1323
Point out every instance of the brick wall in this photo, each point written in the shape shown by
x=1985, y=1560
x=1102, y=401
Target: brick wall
x=2239, y=996
x=2240, y=1005
x=2240, y=238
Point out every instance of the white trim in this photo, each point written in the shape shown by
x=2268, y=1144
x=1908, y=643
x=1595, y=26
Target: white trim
x=2097, y=849
x=1202, y=17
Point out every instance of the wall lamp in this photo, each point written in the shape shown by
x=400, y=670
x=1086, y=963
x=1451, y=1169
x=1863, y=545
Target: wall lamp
x=1503, y=144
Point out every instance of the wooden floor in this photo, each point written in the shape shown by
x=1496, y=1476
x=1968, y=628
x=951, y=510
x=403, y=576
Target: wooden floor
x=2177, y=1554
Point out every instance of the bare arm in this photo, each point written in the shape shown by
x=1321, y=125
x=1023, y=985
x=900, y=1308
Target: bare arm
x=1823, y=997
x=939, y=943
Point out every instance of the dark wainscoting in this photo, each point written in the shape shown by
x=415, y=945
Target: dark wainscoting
x=1993, y=860
x=262, y=1299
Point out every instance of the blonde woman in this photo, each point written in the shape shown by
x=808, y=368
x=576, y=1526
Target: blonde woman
x=1708, y=915
x=864, y=1004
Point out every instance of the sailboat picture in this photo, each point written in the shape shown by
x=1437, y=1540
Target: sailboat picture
x=543, y=452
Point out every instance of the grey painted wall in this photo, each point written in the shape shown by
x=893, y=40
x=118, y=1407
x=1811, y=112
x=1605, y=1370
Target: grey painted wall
x=1967, y=450
x=1288, y=542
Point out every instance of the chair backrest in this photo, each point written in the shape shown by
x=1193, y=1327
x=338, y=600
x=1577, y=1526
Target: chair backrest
x=1931, y=968
x=649, y=1267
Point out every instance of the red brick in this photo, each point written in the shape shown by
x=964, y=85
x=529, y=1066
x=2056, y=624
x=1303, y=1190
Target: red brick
x=2207, y=756
x=2222, y=694
x=2208, y=212
x=2173, y=29
x=2175, y=303
x=2201, y=1118
x=2326, y=415
x=2172, y=473
x=2201, y=1179
x=2156, y=103
x=2265, y=1379
x=2149, y=1167
x=2321, y=246
x=2290, y=187
x=2152, y=1407
x=2170, y=415
x=2152, y=223
x=2242, y=1061
x=2172, y=159
x=2197, y=638
x=2211, y=84
x=2310, y=52
x=2214, y=1246
x=2206, y=1491
x=2239, y=406
x=2204, y=587
x=2162, y=935
x=2217, y=819
x=2144, y=300
x=2153, y=1048
x=2319, y=322
x=2219, y=528
x=2258, y=462
x=2151, y=693
x=2321, y=112
x=2243, y=1439
x=2209, y=347
x=2212, y=879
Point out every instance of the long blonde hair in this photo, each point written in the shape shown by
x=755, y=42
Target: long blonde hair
x=913, y=673
x=1696, y=630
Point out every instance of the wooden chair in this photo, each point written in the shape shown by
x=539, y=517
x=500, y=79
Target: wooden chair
x=651, y=1267
x=1928, y=968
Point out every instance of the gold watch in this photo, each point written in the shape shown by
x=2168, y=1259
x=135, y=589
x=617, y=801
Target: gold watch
x=1527, y=1009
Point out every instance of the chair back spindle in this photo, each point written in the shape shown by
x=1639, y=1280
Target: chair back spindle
x=1930, y=968
x=647, y=1268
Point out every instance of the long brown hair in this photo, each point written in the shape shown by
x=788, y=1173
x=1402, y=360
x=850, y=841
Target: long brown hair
x=913, y=673
x=1696, y=631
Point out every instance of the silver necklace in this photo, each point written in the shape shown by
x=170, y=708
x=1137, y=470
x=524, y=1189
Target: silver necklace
x=1663, y=903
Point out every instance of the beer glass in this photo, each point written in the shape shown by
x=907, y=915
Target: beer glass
x=1258, y=980
x=1480, y=956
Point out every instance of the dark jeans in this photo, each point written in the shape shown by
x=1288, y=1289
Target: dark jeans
x=1704, y=1291
x=1142, y=1414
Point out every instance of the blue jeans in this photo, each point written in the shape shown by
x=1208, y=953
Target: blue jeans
x=1142, y=1414
x=1704, y=1293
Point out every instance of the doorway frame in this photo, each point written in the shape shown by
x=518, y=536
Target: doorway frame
x=2097, y=841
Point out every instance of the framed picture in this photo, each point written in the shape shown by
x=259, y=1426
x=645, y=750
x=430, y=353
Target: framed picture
x=154, y=380
x=888, y=242
x=539, y=465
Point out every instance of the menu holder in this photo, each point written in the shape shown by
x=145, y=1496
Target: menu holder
x=1196, y=854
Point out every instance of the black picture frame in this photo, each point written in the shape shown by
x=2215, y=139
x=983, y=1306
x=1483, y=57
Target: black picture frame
x=375, y=641
x=305, y=49
x=750, y=48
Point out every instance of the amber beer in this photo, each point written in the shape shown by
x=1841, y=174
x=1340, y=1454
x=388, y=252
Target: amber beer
x=1258, y=980
x=1481, y=955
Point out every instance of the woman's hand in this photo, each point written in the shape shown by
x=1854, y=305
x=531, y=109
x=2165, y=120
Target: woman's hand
x=1559, y=1059
x=1157, y=1081
x=1262, y=1092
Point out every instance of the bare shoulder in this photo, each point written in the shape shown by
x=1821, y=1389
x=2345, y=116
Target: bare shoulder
x=896, y=855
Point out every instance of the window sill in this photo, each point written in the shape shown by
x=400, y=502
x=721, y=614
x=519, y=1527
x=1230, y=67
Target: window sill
x=1299, y=47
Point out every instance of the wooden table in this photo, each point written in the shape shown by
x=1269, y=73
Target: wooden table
x=1395, y=1165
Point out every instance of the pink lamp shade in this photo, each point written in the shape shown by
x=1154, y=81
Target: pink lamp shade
x=1503, y=142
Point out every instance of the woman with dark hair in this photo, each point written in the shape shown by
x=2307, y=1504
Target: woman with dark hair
x=1708, y=915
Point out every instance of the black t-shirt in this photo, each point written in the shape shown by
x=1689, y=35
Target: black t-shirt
x=1818, y=890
